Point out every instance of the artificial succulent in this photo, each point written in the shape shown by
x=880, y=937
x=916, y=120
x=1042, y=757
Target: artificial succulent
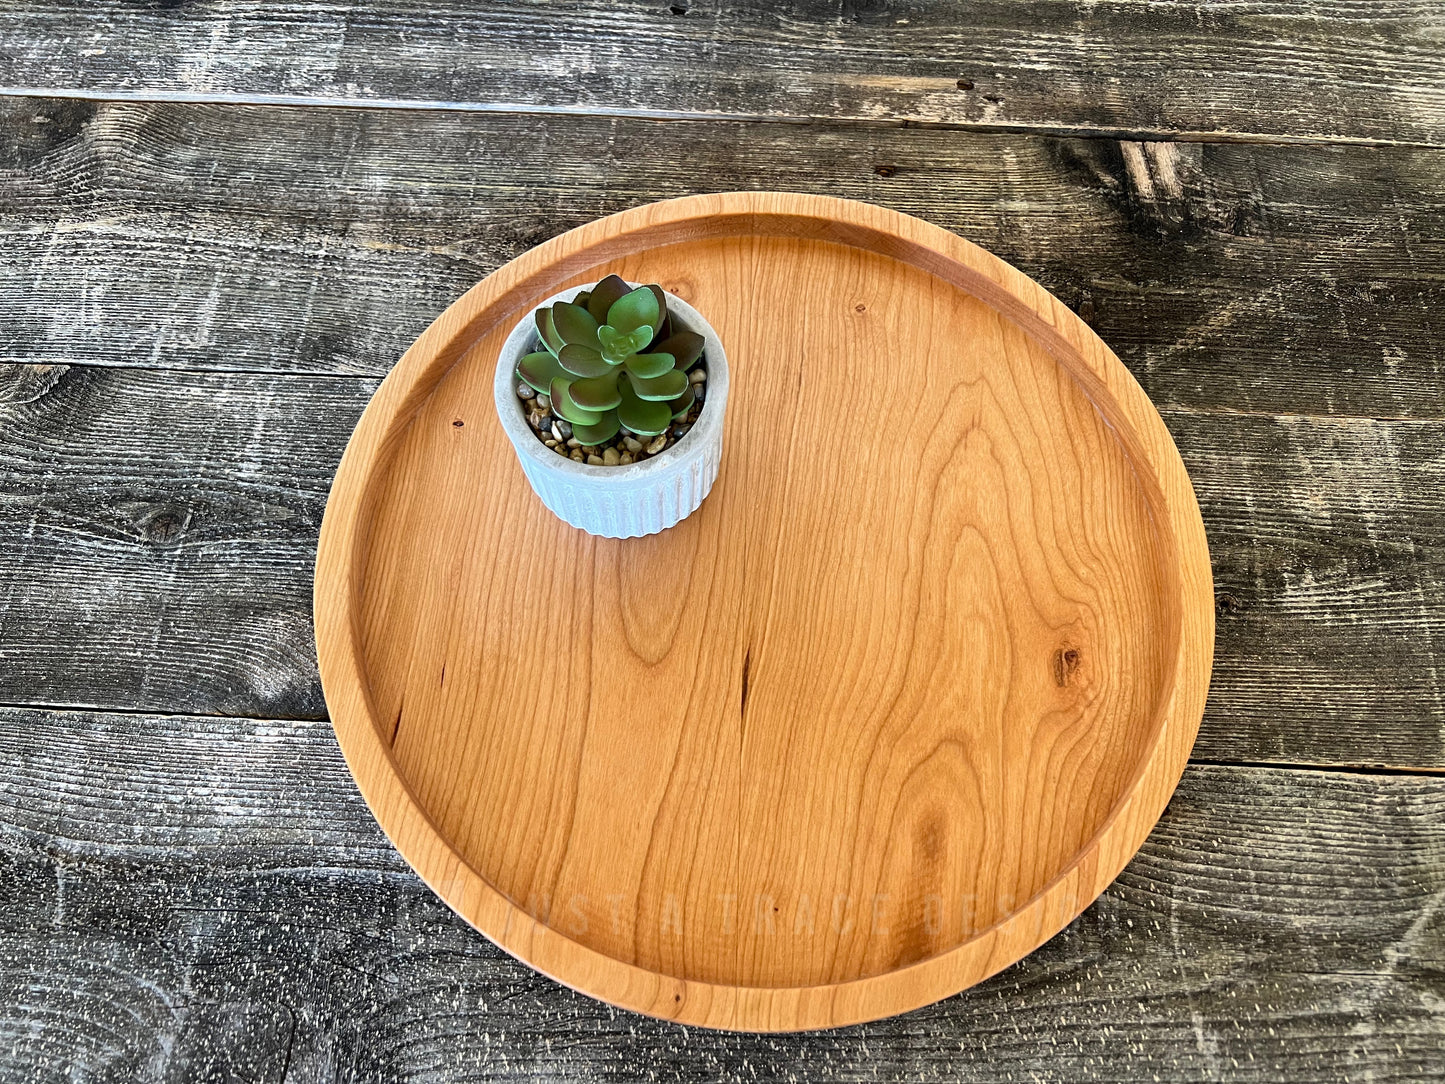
x=612, y=359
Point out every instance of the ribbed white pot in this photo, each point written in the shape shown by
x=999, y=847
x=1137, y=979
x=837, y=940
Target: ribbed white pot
x=640, y=498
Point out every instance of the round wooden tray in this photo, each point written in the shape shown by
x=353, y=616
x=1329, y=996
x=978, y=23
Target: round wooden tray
x=886, y=713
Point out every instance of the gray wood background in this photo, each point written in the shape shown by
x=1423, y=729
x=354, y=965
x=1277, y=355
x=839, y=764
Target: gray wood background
x=221, y=222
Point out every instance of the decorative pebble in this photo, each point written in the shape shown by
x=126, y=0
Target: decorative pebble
x=624, y=449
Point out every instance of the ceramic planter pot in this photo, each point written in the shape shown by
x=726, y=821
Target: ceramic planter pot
x=637, y=499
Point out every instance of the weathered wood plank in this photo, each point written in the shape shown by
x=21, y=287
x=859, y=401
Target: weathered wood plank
x=1329, y=69
x=158, y=530
x=204, y=898
x=1328, y=543
x=158, y=536
x=1265, y=278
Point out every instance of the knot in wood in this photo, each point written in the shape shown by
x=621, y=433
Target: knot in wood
x=1066, y=664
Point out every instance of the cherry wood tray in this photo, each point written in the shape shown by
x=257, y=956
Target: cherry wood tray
x=885, y=714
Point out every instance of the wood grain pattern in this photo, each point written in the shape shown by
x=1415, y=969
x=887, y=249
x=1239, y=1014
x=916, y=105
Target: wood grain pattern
x=159, y=534
x=197, y=898
x=1328, y=69
x=189, y=589
x=1286, y=280
x=192, y=897
x=953, y=745
x=1274, y=279
x=1291, y=566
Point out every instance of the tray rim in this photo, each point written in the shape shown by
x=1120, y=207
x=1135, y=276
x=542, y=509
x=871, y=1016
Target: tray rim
x=528, y=278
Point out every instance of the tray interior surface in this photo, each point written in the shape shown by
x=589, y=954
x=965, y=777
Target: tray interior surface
x=874, y=695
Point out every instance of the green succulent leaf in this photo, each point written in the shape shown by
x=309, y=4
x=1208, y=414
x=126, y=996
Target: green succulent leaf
x=685, y=346
x=600, y=432
x=548, y=331
x=561, y=393
x=603, y=295
x=661, y=306
x=583, y=361
x=575, y=325
x=596, y=393
x=683, y=403
x=635, y=310
x=617, y=345
x=641, y=416
x=669, y=385
x=647, y=366
x=539, y=370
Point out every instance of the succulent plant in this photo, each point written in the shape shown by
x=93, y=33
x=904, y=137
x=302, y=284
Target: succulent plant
x=613, y=359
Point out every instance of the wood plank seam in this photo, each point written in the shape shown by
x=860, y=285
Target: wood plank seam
x=425, y=105
x=1411, y=772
